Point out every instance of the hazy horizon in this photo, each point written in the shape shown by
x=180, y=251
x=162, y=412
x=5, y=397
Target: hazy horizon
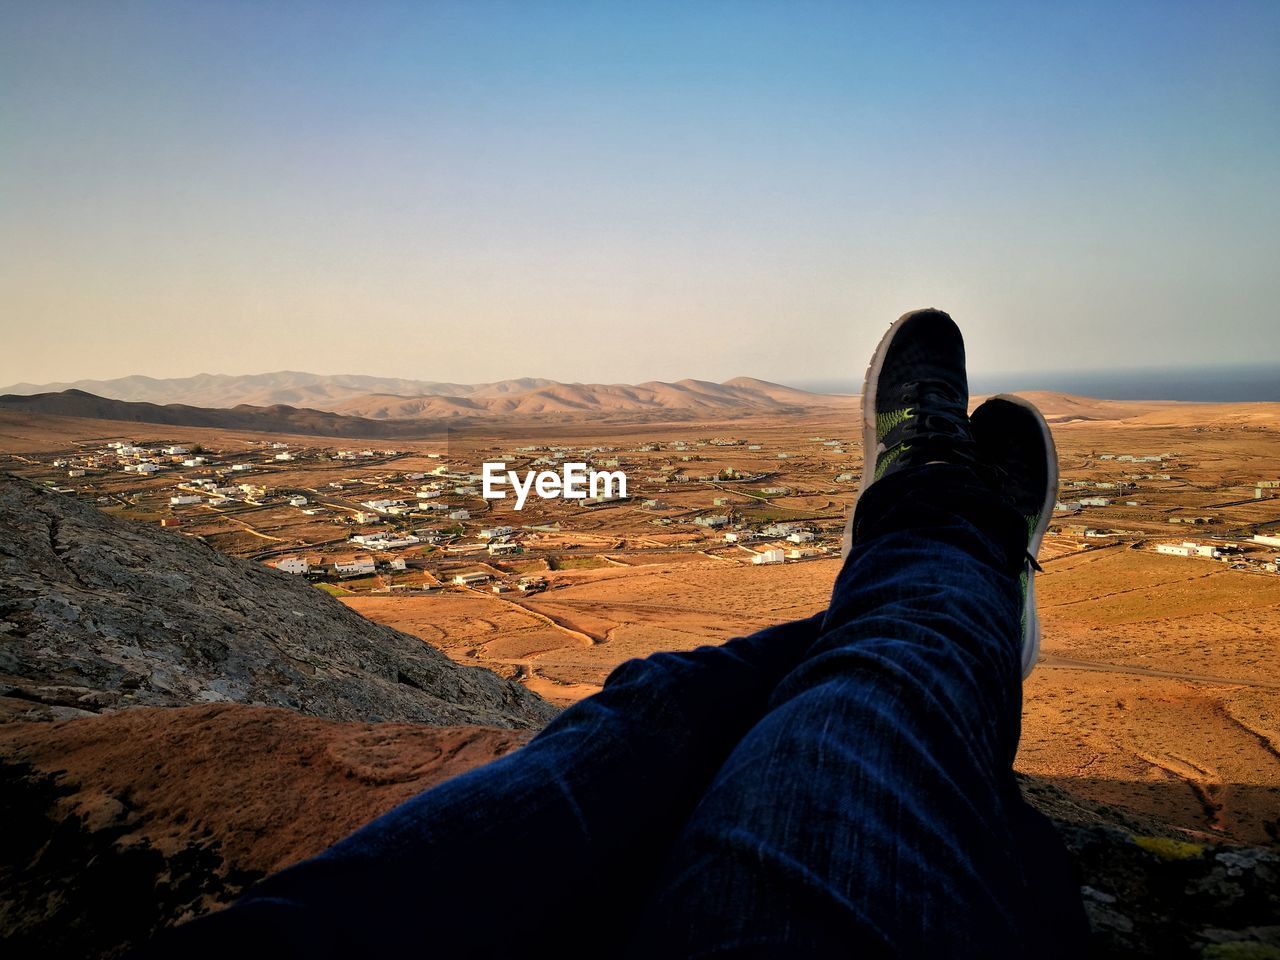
x=1206, y=383
x=604, y=193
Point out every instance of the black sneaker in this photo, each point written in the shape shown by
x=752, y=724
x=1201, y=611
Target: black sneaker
x=1014, y=443
x=915, y=400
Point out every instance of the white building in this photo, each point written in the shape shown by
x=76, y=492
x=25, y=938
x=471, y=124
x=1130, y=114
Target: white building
x=470, y=579
x=781, y=529
x=177, y=451
x=460, y=515
x=359, y=565
x=768, y=556
x=293, y=564
x=1173, y=550
x=143, y=468
x=713, y=521
x=1094, y=502
x=801, y=536
x=241, y=467
x=286, y=455
x=398, y=563
x=385, y=541
x=498, y=549
x=183, y=500
x=298, y=501
x=1266, y=541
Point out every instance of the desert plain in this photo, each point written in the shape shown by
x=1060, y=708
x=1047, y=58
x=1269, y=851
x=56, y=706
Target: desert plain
x=1158, y=688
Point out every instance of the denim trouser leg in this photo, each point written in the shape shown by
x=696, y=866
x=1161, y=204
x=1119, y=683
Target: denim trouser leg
x=873, y=809
x=559, y=842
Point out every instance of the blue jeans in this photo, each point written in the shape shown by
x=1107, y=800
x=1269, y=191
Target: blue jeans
x=837, y=786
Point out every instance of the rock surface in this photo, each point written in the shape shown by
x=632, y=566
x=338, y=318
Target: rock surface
x=117, y=825
x=97, y=613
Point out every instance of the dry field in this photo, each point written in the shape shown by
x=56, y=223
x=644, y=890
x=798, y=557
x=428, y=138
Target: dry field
x=1159, y=687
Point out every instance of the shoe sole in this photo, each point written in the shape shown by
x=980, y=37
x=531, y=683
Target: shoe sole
x=869, y=441
x=1031, y=635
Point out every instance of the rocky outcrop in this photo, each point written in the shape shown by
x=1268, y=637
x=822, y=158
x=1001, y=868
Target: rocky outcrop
x=1162, y=898
x=99, y=614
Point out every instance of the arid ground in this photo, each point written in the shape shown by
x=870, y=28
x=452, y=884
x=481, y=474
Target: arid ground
x=1159, y=685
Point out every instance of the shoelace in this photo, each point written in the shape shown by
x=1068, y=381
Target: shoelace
x=939, y=430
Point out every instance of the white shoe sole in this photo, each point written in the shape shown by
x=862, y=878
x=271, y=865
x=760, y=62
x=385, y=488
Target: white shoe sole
x=1031, y=616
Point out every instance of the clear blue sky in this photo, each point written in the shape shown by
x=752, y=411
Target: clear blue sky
x=617, y=192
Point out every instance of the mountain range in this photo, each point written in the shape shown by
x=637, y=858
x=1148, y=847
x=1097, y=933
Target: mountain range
x=383, y=398
x=390, y=415
x=290, y=387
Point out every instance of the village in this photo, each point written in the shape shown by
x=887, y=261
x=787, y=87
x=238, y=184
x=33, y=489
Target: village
x=394, y=521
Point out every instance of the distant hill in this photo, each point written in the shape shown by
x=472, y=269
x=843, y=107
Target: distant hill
x=684, y=397
x=385, y=398
x=274, y=419
x=388, y=416
x=289, y=387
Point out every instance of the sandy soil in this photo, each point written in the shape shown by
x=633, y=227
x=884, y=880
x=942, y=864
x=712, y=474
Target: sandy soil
x=204, y=765
x=1160, y=685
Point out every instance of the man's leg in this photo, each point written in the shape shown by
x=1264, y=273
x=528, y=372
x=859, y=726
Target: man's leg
x=551, y=842
x=873, y=808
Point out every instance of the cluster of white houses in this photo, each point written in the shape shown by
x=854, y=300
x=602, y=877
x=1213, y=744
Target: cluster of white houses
x=1226, y=552
x=350, y=565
